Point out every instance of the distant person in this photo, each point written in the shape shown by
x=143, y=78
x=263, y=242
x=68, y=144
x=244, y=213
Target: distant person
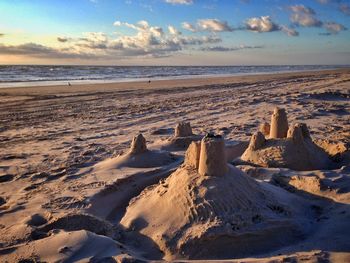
x=69, y=84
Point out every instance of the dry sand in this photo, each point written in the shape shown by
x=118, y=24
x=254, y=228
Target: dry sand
x=67, y=175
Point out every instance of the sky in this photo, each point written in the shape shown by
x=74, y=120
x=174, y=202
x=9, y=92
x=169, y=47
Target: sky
x=175, y=32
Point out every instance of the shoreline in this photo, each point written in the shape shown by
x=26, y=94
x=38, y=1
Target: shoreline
x=161, y=83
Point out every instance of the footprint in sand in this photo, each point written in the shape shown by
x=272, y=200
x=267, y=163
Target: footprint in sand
x=93, y=185
x=6, y=178
x=2, y=201
x=66, y=202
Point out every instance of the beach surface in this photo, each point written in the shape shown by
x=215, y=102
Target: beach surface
x=64, y=192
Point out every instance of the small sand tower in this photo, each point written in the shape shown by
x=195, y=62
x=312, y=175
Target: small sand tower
x=183, y=129
x=192, y=155
x=138, y=145
x=257, y=141
x=298, y=132
x=279, y=124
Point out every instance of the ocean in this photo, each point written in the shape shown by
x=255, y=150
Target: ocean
x=24, y=75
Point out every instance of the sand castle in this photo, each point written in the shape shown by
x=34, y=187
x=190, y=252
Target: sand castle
x=183, y=136
x=138, y=156
x=209, y=209
x=289, y=147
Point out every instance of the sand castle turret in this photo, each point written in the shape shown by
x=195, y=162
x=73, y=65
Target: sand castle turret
x=182, y=137
x=257, y=141
x=138, y=145
x=264, y=128
x=279, y=124
x=208, y=156
x=183, y=129
x=298, y=132
x=295, y=133
x=212, y=159
x=192, y=155
x=305, y=130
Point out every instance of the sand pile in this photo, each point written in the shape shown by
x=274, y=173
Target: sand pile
x=61, y=246
x=138, y=156
x=210, y=209
x=285, y=147
x=182, y=138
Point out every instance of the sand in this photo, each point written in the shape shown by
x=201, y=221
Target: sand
x=70, y=187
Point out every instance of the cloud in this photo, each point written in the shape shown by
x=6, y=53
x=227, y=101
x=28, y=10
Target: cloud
x=62, y=39
x=302, y=9
x=154, y=41
x=179, y=2
x=289, y=31
x=173, y=31
x=228, y=49
x=334, y=28
x=305, y=20
x=210, y=24
x=344, y=8
x=188, y=26
x=213, y=25
x=41, y=51
x=304, y=16
x=261, y=24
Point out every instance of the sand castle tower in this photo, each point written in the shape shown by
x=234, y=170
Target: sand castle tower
x=208, y=156
x=138, y=156
x=208, y=208
x=279, y=124
x=183, y=129
x=286, y=147
x=182, y=138
x=138, y=144
x=257, y=141
x=212, y=160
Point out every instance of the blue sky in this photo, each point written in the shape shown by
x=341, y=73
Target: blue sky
x=174, y=32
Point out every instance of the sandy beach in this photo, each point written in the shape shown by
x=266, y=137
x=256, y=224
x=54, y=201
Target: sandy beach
x=71, y=190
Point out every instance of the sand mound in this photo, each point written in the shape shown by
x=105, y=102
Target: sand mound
x=209, y=209
x=182, y=138
x=138, y=157
x=67, y=247
x=73, y=222
x=292, y=148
